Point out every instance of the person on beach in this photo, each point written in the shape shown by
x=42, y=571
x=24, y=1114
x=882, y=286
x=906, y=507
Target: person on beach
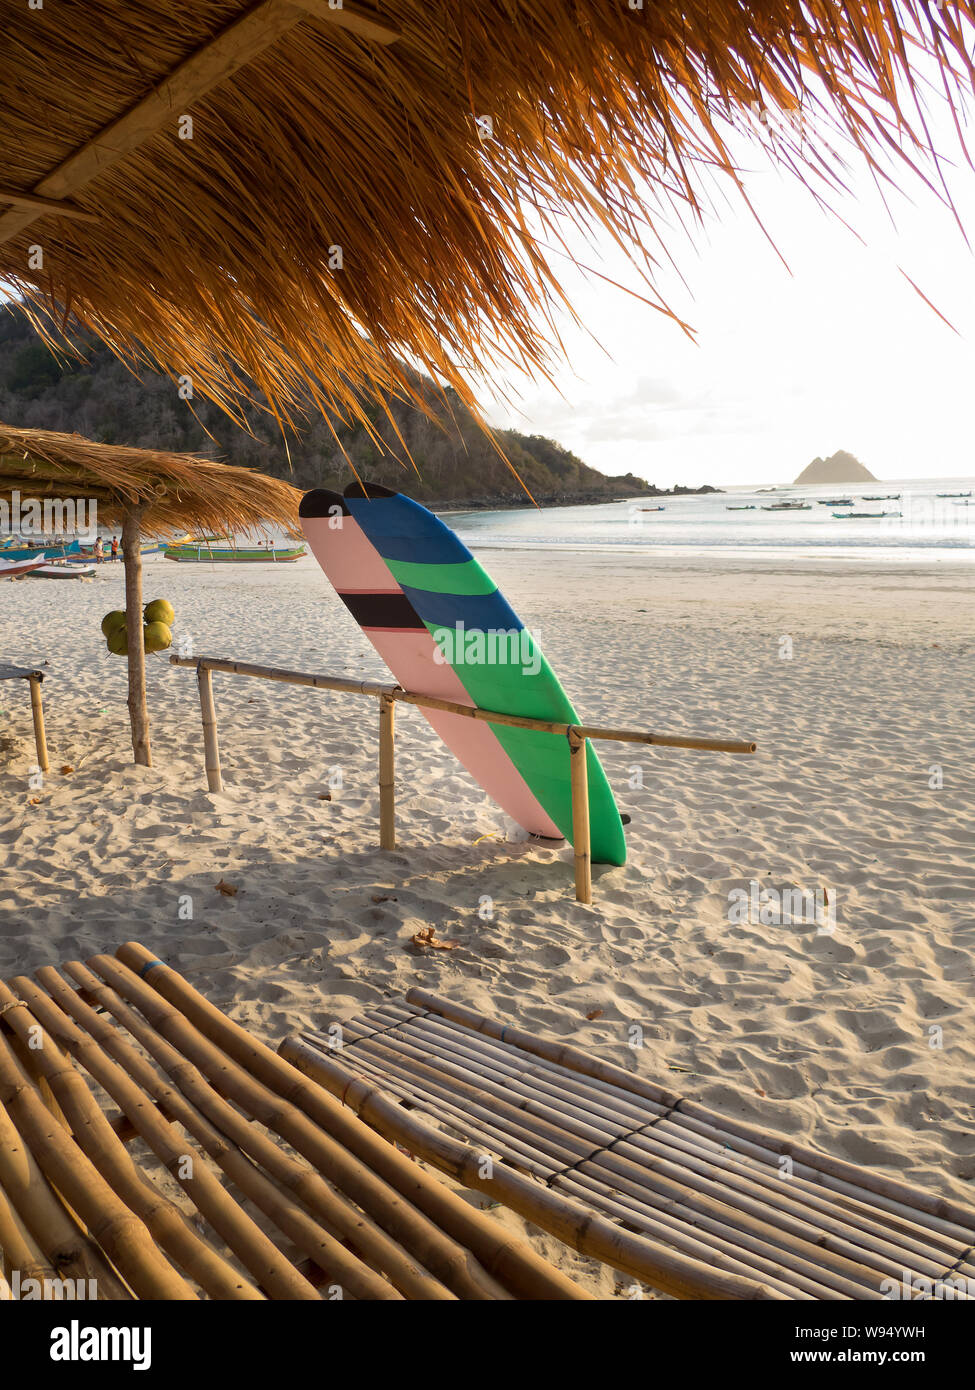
x=99, y=550
x=115, y=547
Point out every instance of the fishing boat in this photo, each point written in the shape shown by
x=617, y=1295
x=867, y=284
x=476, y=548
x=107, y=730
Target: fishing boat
x=653, y=509
x=16, y=548
x=747, y=507
x=61, y=569
x=954, y=494
x=16, y=569
x=863, y=516
x=887, y=497
x=835, y=502
x=789, y=507
x=199, y=552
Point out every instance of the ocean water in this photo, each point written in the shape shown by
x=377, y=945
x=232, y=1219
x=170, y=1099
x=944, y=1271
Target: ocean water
x=929, y=526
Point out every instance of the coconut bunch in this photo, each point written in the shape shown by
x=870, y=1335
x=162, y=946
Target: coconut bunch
x=157, y=628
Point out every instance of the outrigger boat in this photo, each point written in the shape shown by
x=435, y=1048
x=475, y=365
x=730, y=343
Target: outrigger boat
x=16, y=569
x=888, y=497
x=748, y=507
x=48, y=550
x=863, y=516
x=789, y=507
x=835, y=501
x=200, y=552
x=954, y=494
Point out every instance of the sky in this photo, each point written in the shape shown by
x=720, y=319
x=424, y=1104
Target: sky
x=835, y=350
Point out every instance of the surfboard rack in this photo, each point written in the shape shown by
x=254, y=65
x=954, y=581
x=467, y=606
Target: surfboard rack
x=389, y=695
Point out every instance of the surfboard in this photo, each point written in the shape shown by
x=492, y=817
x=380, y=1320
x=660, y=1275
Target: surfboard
x=443, y=628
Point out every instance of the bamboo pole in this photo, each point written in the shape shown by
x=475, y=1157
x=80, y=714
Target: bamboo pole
x=122, y=1235
x=53, y=1226
x=516, y=721
x=211, y=743
x=18, y=1251
x=387, y=785
x=37, y=713
x=363, y=1232
x=949, y=1217
x=219, y=1127
x=511, y=1261
x=109, y=1157
x=254, y=1249
x=138, y=708
x=658, y=1265
x=579, y=778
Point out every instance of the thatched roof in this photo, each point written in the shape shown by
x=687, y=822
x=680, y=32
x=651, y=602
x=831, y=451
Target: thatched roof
x=314, y=129
x=176, y=492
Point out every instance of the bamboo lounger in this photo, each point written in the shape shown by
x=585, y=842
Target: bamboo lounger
x=692, y=1202
x=9, y=673
x=282, y=1192
x=387, y=695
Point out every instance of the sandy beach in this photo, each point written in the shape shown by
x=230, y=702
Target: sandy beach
x=857, y=1040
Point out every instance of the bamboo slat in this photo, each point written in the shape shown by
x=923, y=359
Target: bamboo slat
x=666, y=1269
x=860, y=1179
x=643, y=1156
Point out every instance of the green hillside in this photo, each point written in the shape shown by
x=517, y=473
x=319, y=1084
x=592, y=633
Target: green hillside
x=103, y=400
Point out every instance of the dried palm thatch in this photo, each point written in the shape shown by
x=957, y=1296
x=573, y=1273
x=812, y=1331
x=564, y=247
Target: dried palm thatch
x=171, y=493
x=146, y=492
x=445, y=147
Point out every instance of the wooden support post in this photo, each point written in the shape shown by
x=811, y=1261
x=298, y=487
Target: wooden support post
x=138, y=709
x=211, y=744
x=37, y=710
x=387, y=789
x=579, y=775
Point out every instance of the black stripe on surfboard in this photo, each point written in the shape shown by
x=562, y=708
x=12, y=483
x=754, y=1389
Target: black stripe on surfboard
x=383, y=610
x=321, y=502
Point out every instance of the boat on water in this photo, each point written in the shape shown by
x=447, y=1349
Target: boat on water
x=887, y=497
x=200, y=552
x=16, y=569
x=747, y=507
x=863, y=516
x=835, y=501
x=954, y=494
x=789, y=507
x=653, y=509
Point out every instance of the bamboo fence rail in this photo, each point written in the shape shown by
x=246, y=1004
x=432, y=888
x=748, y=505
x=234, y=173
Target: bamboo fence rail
x=623, y=1153
x=271, y=1198
x=577, y=736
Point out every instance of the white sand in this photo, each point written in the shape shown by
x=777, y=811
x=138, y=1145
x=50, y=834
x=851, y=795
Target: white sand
x=823, y=1037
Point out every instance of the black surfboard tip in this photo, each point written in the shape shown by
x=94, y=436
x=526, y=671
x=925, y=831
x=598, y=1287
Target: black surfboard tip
x=320, y=501
x=366, y=489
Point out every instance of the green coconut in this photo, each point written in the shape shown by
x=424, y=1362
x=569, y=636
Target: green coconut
x=160, y=611
x=157, y=637
x=118, y=641
x=111, y=621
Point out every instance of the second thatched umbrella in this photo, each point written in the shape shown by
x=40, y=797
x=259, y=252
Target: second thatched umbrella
x=145, y=492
